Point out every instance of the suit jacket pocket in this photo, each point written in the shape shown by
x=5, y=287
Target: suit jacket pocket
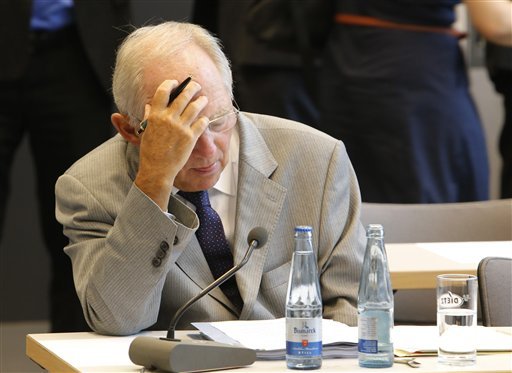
x=274, y=285
x=276, y=277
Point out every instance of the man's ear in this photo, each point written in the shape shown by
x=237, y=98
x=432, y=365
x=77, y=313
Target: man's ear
x=122, y=125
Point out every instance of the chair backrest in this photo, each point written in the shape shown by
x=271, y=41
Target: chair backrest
x=442, y=222
x=495, y=291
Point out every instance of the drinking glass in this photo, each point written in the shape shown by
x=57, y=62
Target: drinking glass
x=457, y=318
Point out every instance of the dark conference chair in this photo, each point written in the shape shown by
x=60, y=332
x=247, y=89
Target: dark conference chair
x=495, y=291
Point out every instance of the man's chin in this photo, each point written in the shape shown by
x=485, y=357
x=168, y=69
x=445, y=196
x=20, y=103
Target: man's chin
x=190, y=185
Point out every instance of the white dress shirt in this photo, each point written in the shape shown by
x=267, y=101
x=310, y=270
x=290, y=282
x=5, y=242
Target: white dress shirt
x=223, y=193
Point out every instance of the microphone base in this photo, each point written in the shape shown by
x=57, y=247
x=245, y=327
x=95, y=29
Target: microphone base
x=188, y=356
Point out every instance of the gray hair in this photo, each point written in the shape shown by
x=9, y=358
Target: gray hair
x=144, y=46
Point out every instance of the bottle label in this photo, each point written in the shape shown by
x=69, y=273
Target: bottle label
x=368, y=340
x=304, y=337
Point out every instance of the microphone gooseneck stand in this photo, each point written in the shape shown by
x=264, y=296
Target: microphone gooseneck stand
x=226, y=276
x=173, y=355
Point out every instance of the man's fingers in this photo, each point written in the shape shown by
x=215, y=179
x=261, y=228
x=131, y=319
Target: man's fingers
x=199, y=126
x=161, y=97
x=185, y=97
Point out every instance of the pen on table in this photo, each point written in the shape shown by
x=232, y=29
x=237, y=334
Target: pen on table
x=174, y=93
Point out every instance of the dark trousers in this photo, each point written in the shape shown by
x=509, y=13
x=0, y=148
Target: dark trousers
x=499, y=67
x=63, y=109
x=275, y=91
x=506, y=145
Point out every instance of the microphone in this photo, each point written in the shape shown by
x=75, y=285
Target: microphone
x=256, y=238
x=173, y=355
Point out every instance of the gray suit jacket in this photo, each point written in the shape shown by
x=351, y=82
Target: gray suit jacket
x=289, y=175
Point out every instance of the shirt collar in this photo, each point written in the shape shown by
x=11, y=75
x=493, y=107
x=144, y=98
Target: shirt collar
x=229, y=177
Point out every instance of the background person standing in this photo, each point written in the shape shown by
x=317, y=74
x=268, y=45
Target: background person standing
x=53, y=48
x=394, y=89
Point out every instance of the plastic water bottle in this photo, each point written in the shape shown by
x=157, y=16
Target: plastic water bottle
x=375, y=304
x=303, y=306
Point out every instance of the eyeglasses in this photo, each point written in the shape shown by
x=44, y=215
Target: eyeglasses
x=222, y=123
x=218, y=124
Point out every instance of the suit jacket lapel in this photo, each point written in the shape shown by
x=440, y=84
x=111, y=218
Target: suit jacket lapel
x=193, y=263
x=259, y=203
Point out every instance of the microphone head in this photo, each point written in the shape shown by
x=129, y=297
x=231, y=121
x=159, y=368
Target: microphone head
x=258, y=234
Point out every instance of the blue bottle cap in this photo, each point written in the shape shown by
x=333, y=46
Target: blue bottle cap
x=303, y=228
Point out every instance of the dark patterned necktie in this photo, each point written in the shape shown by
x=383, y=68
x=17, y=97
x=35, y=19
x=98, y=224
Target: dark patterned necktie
x=214, y=244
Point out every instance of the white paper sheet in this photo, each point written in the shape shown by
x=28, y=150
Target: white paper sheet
x=268, y=337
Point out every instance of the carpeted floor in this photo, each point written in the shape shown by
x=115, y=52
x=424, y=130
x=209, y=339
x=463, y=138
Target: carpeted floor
x=12, y=345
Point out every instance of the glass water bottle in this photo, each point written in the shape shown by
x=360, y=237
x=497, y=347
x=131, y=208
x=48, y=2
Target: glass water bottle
x=303, y=306
x=375, y=304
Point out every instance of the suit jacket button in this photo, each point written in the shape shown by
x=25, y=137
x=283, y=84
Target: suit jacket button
x=164, y=245
x=156, y=262
x=160, y=254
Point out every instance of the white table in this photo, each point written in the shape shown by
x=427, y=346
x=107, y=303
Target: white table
x=89, y=352
x=415, y=266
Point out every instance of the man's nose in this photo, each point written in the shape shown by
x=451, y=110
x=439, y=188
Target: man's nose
x=205, y=145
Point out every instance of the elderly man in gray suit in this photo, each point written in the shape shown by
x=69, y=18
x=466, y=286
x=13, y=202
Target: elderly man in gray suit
x=132, y=238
